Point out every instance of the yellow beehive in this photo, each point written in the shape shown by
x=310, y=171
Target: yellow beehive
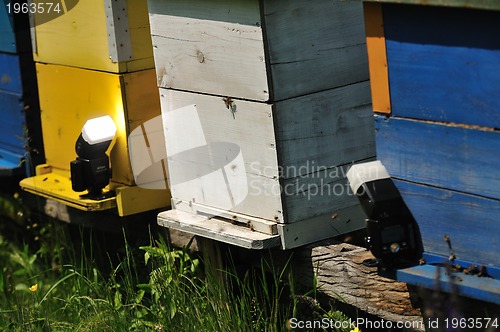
x=109, y=35
x=68, y=98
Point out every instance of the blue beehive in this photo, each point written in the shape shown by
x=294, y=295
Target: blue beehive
x=435, y=79
x=20, y=139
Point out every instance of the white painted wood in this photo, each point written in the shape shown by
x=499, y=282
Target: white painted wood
x=241, y=220
x=325, y=129
x=212, y=47
x=218, y=47
x=293, y=95
x=250, y=127
x=217, y=230
x=316, y=194
x=314, y=47
x=318, y=228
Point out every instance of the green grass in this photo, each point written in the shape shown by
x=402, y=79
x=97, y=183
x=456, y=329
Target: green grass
x=151, y=288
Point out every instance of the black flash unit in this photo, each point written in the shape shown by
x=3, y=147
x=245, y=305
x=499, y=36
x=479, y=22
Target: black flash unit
x=392, y=232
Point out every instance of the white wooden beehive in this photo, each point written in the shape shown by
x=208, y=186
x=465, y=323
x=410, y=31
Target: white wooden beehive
x=265, y=105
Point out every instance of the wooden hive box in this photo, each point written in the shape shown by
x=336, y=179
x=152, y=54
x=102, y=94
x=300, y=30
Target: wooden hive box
x=107, y=35
x=275, y=98
x=435, y=73
x=20, y=134
x=68, y=98
x=14, y=29
x=21, y=145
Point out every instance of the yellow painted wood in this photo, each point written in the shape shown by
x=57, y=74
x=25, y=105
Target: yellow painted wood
x=132, y=200
x=70, y=96
x=142, y=98
x=377, y=58
x=58, y=187
x=79, y=38
x=128, y=200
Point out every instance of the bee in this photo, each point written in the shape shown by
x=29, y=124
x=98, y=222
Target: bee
x=230, y=105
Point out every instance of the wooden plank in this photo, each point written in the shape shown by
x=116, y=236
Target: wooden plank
x=12, y=127
x=14, y=30
x=317, y=194
x=10, y=73
x=216, y=229
x=470, y=221
x=58, y=187
x=483, y=289
x=133, y=199
x=142, y=99
x=212, y=47
x=328, y=47
x=7, y=35
x=11, y=164
x=444, y=70
x=478, y=4
x=338, y=221
x=462, y=159
x=255, y=224
x=129, y=200
x=250, y=128
x=325, y=129
x=377, y=57
x=79, y=38
x=338, y=271
x=70, y=96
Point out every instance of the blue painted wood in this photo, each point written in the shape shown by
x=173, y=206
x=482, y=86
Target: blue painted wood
x=444, y=63
x=10, y=73
x=470, y=221
x=431, y=259
x=7, y=36
x=14, y=30
x=462, y=159
x=484, y=289
x=11, y=163
x=13, y=124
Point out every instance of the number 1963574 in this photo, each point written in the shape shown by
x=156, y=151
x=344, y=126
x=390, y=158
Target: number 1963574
x=34, y=8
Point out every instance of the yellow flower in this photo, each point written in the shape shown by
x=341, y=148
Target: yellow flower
x=33, y=288
x=356, y=329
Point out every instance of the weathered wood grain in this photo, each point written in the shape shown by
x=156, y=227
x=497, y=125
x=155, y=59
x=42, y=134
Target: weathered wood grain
x=217, y=229
x=243, y=48
x=470, y=221
x=339, y=272
x=444, y=69
x=316, y=194
x=325, y=129
x=314, y=48
x=212, y=47
x=457, y=158
x=249, y=127
x=339, y=220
